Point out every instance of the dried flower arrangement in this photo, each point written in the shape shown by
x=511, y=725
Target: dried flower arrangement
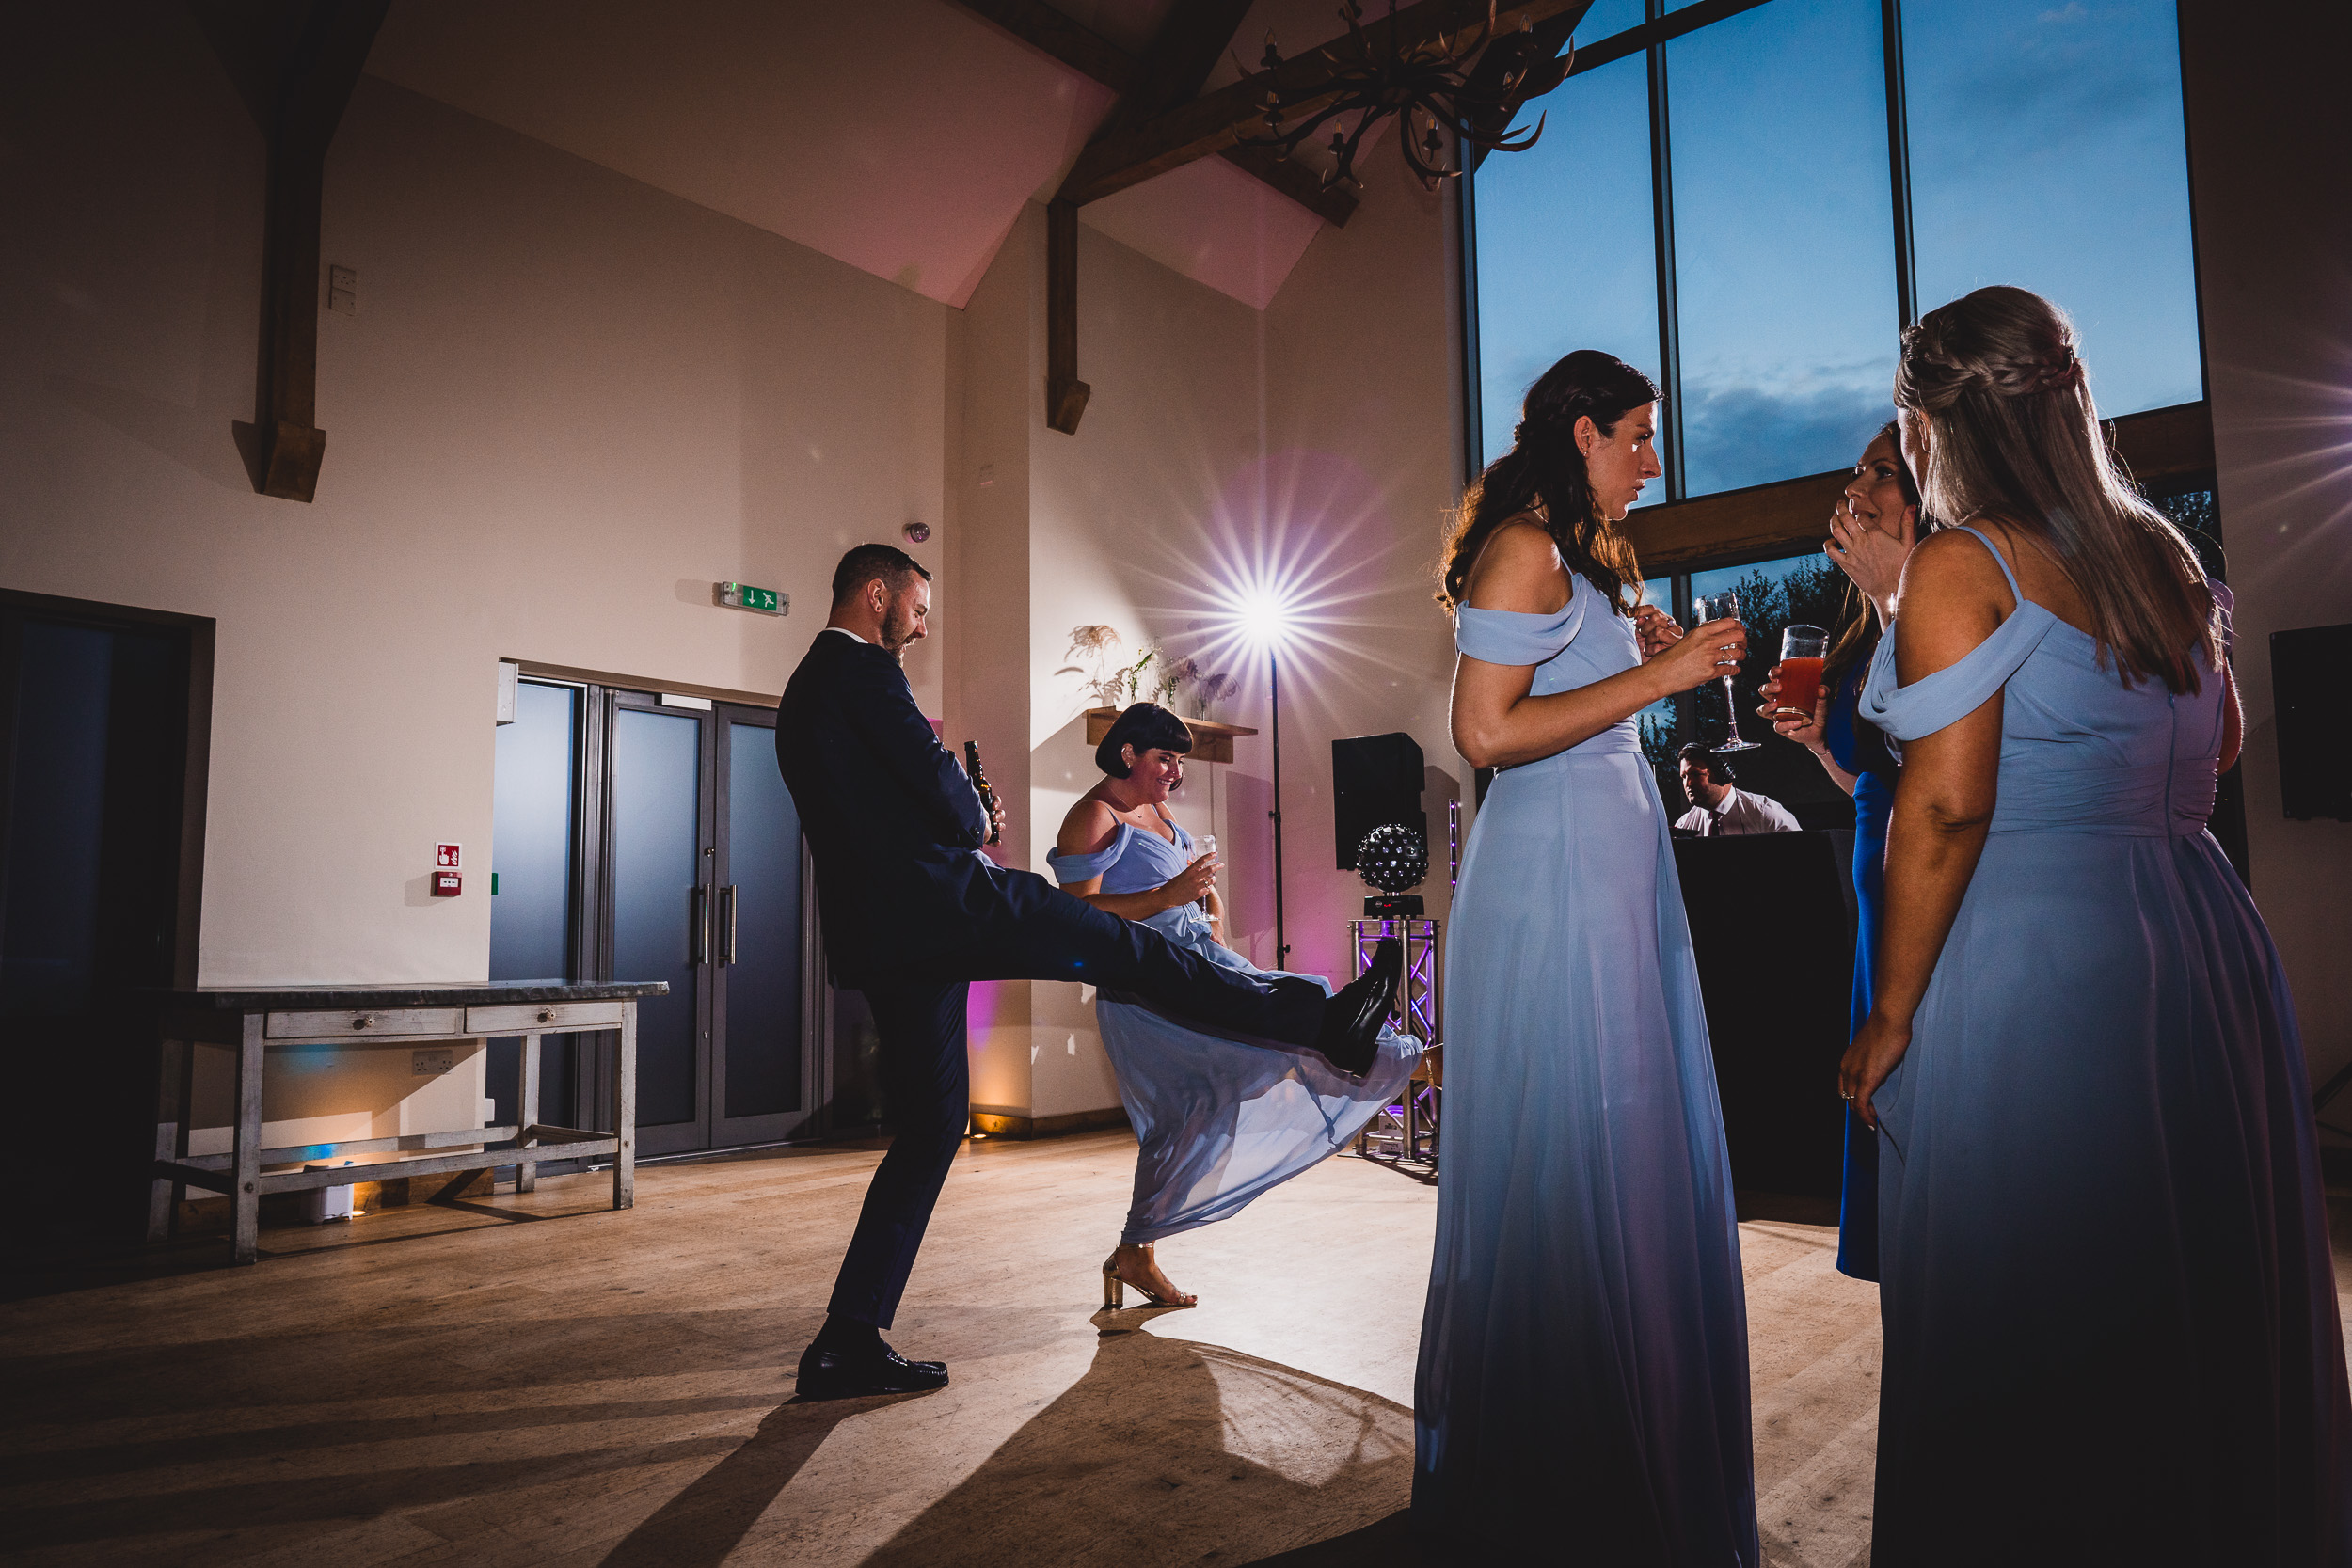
x=1110, y=679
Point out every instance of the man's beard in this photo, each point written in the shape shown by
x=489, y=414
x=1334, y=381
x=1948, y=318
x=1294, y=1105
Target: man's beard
x=898, y=630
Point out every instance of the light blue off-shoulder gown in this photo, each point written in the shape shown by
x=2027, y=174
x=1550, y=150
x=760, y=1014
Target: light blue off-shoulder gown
x=1582, y=1394
x=2111, y=1322
x=1218, y=1119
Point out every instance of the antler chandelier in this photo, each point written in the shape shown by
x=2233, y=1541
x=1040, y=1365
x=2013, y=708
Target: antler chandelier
x=1427, y=87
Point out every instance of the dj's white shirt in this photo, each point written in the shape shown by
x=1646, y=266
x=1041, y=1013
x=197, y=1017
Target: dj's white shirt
x=1739, y=813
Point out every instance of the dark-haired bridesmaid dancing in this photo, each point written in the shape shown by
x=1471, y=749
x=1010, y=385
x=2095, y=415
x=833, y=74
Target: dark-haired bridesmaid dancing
x=1583, y=1383
x=2112, y=1331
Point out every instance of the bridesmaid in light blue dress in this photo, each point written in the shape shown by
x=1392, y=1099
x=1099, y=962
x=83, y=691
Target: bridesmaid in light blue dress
x=2112, y=1332
x=1583, y=1393
x=1217, y=1121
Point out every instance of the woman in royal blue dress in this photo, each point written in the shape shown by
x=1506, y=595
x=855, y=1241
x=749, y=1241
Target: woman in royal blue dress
x=2112, y=1333
x=1871, y=532
x=1217, y=1121
x=1582, y=1389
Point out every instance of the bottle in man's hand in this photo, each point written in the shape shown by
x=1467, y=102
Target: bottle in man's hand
x=979, y=781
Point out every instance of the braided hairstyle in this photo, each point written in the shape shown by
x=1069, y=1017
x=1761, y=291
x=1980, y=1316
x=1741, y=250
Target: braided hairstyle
x=1544, y=473
x=2016, y=439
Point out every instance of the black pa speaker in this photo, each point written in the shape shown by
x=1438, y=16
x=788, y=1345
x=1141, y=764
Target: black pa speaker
x=2307, y=683
x=1376, y=779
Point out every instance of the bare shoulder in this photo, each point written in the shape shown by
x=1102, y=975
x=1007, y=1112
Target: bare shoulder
x=1953, y=596
x=1089, y=827
x=1519, y=569
x=1949, y=569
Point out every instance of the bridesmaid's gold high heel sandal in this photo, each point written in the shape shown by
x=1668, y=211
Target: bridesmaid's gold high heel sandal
x=1115, y=1286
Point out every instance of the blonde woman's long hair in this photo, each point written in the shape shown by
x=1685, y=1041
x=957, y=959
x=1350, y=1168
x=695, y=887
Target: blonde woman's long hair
x=2016, y=439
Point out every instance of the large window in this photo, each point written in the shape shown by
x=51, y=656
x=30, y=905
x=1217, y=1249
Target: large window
x=1749, y=207
x=2047, y=151
x=1784, y=251
x=1570, y=221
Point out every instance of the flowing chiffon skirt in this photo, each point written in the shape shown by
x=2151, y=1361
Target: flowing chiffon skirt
x=1220, y=1120
x=1583, y=1380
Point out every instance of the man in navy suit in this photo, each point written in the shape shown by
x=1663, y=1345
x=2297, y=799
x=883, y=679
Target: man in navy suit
x=913, y=914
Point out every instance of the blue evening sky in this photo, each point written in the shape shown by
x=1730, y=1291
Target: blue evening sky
x=2046, y=152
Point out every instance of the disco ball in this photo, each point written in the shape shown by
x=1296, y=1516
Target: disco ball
x=1393, y=857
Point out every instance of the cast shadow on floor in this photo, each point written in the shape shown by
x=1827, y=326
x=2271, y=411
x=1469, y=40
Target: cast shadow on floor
x=1165, y=1450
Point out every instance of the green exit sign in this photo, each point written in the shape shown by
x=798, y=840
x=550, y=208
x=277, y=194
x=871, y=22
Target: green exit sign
x=742, y=596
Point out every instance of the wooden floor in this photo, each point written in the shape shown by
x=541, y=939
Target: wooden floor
x=542, y=1381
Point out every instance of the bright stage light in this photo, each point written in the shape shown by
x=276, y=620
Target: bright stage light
x=1263, y=618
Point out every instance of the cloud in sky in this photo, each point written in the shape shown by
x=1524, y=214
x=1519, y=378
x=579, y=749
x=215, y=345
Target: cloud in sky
x=1752, y=433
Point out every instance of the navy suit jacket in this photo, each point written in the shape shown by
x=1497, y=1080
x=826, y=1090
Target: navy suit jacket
x=892, y=822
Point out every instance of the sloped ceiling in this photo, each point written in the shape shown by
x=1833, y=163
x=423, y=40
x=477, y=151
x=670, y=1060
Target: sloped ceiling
x=899, y=136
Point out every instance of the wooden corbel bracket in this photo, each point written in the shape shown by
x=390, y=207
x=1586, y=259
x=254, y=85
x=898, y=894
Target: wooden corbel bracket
x=294, y=63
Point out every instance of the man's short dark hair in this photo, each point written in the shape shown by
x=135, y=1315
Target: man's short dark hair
x=1715, y=768
x=864, y=564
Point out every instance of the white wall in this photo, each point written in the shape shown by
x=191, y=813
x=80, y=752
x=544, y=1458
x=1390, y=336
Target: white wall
x=2270, y=166
x=1365, y=461
x=1311, y=445
x=567, y=404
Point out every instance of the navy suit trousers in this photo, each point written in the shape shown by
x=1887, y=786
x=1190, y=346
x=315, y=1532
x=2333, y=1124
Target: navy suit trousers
x=1045, y=934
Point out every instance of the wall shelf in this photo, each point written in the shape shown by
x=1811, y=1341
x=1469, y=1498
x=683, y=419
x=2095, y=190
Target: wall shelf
x=1211, y=741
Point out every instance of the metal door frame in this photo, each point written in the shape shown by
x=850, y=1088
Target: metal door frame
x=694, y=1134
x=774, y=1126
x=592, y=940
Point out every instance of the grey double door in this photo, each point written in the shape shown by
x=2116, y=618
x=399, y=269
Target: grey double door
x=679, y=859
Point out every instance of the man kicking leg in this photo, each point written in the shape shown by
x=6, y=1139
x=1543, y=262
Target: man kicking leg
x=913, y=914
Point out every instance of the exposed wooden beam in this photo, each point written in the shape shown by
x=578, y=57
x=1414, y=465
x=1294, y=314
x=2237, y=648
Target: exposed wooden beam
x=294, y=63
x=1192, y=36
x=1617, y=46
x=1049, y=32
x=1333, y=204
x=1099, y=60
x=1065, y=394
x=1782, y=519
x=1215, y=121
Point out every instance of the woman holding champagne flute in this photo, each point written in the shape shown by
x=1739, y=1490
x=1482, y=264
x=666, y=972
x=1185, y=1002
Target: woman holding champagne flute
x=1871, y=532
x=1217, y=1121
x=1583, y=1380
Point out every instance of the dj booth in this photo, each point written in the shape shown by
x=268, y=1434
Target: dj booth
x=1772, y=919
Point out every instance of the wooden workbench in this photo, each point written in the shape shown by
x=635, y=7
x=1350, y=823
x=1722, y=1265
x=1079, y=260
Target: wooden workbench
x=253, y=1022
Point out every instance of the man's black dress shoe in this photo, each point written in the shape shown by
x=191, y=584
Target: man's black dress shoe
x=835, y=1374
x=1350, y=1040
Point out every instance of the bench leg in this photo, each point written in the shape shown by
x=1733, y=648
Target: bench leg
x=624, y=1110
x=246, y=1197
x=526, y=1172
x=165, y=1195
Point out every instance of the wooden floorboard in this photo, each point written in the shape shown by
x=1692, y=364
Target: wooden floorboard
x=542, y=1381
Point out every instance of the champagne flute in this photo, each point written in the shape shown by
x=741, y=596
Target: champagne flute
x=1204, y=849
x=1724, y=607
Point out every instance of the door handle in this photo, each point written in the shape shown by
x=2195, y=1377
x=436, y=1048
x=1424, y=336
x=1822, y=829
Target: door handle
x=698, y=925
x=726, y=924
